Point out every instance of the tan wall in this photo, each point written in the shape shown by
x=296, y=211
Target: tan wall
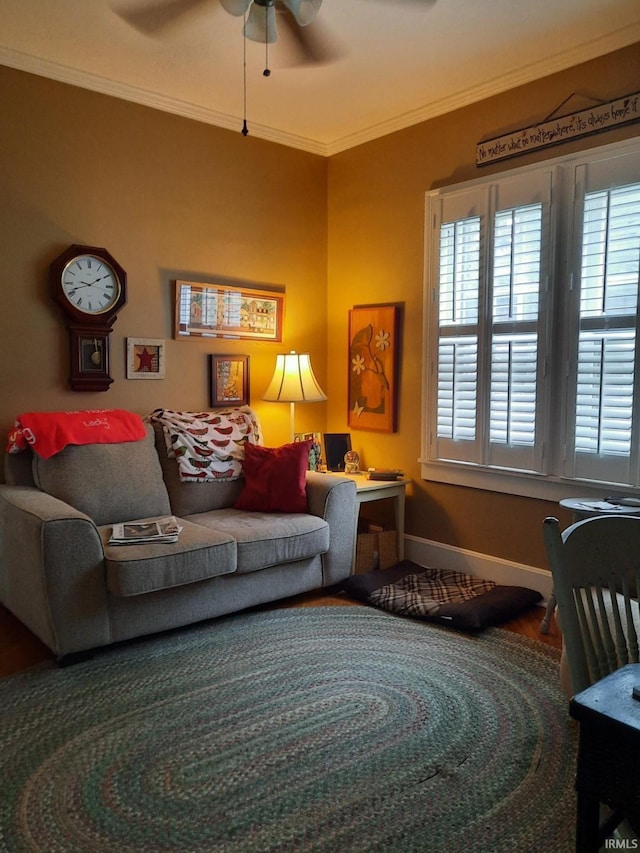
x=174, y=198
x=169, y=198
x=376, y=203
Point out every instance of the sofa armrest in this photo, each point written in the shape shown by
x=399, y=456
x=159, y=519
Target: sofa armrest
x=52, y=570
x=334, y=500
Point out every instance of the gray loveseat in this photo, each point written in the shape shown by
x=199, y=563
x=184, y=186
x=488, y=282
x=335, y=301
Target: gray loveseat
x=62, y=579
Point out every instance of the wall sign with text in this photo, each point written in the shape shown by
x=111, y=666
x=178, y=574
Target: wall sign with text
x=623, y=110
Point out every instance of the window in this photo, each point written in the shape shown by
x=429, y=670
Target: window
x=531, y=322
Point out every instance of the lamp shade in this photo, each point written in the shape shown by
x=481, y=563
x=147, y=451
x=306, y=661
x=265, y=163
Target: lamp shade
x=261, y=23
x=293, y=380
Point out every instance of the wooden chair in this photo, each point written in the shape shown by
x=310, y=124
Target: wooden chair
x=596, y=576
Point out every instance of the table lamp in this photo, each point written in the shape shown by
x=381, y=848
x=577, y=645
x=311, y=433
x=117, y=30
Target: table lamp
x=293, y=381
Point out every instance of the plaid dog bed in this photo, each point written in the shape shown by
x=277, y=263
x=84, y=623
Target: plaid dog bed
x=424, y=593
x=440, y=595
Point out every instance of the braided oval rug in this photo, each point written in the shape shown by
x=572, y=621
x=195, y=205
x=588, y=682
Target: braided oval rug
x=323, y=728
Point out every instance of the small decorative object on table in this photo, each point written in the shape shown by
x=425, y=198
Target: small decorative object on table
x=351, y=462
x=385, y=474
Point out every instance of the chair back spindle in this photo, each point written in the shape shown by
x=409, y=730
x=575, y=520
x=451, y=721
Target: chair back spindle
x=595, y=565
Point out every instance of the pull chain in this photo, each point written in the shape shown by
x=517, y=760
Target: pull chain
x=267, y=70
x=245, y=129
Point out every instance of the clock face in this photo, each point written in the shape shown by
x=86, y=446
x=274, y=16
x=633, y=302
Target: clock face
x=90, y=284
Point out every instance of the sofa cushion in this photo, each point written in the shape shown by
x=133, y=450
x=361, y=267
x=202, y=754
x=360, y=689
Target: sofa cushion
x=108, y=482
x=275, y=478
x=199, y=553
x=268, y=539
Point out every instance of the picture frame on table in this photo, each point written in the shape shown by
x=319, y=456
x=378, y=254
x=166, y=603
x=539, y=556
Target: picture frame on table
x=228, y=380
x=218, y=310
x=146, y=358
x=336, y=446
x=315, y=454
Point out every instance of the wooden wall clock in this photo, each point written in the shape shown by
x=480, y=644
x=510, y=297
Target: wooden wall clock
x=91, y=287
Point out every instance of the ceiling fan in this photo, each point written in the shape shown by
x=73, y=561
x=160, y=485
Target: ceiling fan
x=261, y=16
x=260, y=24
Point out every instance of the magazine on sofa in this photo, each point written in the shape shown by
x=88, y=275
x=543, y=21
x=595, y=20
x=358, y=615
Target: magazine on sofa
x=139, y=532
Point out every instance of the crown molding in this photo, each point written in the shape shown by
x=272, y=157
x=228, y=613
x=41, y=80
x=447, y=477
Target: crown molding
x=560, y=62
x=95, y=83
x=527, y=74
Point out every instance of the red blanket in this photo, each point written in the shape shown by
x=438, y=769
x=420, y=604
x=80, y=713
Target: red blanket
x=48, y=433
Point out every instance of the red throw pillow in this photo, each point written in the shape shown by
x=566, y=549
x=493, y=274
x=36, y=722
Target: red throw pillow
x=275, y=478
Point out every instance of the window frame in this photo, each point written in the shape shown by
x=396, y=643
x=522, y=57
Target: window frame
x=553, y=482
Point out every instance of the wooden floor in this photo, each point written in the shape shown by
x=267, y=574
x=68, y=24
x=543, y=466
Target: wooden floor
x=20, y=649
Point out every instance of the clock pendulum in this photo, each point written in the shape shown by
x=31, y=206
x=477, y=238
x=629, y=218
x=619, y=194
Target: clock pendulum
x=96, y=357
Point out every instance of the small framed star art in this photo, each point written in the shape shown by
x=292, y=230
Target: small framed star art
x=145, y=358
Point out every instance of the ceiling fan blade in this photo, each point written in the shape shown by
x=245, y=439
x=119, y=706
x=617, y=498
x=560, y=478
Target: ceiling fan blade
x=304, y=11
x=157, y=15
x=235, y=7
x=413, y=2
x=313, y=44
x=261, y=24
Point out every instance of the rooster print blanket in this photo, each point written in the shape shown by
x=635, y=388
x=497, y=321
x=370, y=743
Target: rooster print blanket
x=208, y=446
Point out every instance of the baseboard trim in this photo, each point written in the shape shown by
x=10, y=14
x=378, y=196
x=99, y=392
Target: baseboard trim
x=426, y=552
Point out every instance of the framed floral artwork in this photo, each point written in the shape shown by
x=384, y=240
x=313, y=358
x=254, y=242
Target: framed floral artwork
x=229, y=380
x=145, y=358
x=373, y=367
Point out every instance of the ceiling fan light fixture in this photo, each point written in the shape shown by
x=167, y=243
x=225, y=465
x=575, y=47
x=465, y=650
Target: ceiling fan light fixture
x=235, y=7
x=261, y=23
x=304, y=11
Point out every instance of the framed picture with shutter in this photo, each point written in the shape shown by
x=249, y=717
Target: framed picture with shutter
x=222, y=311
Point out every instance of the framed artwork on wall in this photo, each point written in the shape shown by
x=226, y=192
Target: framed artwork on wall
x=228, y=380
x=222, y=311
x=374, y=332
x=145, y=358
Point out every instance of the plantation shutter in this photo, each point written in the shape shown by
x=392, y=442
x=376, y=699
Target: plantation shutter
x=604, y=382
x=457, y=251
x=519, y=335
x=490, y=263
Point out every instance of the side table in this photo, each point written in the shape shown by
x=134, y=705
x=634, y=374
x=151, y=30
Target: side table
x=587, y=507
x=608, y=756
x=377, y=490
